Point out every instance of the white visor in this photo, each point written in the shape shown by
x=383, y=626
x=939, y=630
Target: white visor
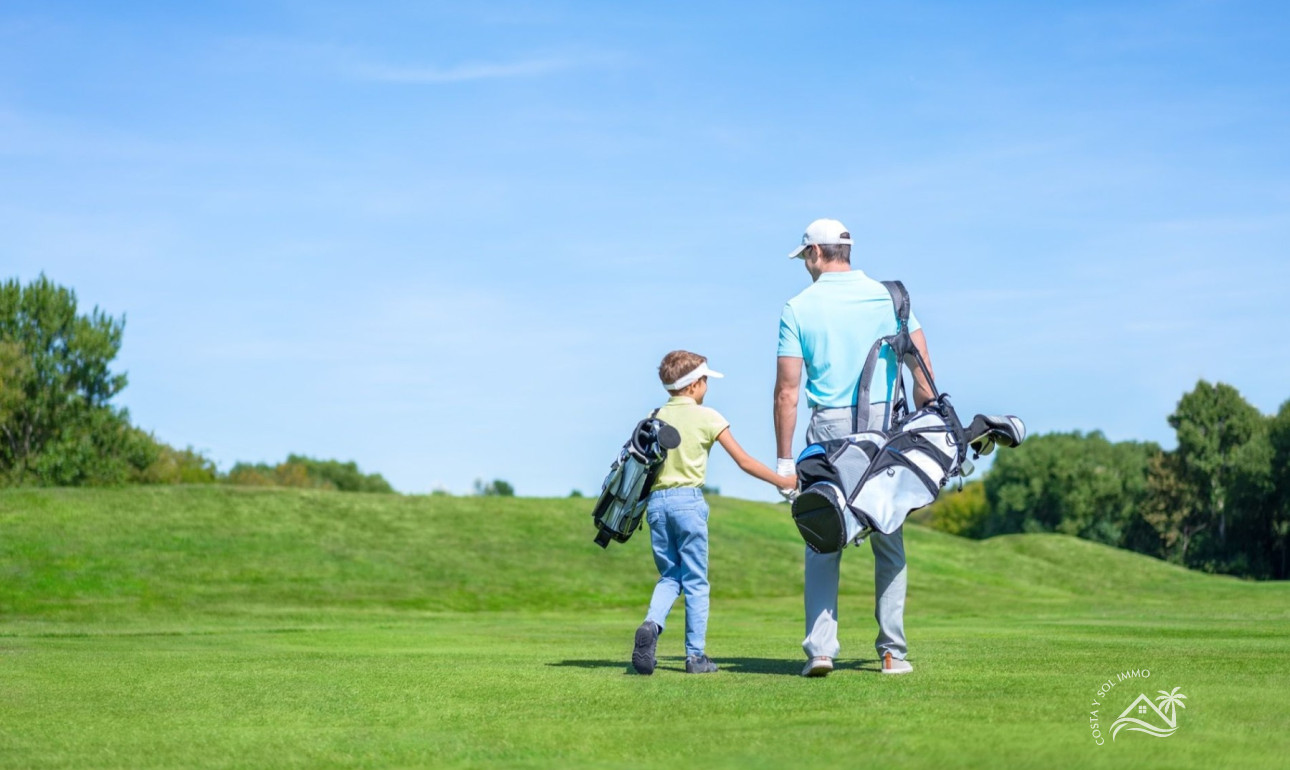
x=693, y=376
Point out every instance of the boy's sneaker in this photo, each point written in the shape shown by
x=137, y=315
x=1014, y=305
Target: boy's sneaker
x=700, y=664
x=892, y=665
x=643, y=659
x=819, y=666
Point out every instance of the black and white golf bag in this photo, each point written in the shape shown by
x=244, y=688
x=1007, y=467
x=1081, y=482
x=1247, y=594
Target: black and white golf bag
x=626, y=490
x=873, y=479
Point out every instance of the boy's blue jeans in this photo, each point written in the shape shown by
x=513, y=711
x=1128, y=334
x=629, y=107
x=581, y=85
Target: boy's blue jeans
x=678, y=530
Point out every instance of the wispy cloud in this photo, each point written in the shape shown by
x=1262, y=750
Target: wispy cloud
x=460, y=73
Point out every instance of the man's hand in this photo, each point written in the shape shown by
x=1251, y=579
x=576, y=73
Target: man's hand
x=785, y=466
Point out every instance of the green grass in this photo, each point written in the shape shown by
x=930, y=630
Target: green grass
x=219, y=627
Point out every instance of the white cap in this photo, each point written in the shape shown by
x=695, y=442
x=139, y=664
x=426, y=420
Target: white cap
x=822, y=232
x=693, y=375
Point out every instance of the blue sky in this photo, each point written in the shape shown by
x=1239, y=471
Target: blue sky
x=452, y=241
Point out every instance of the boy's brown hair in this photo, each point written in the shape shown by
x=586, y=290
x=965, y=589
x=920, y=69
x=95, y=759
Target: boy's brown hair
x=677, y=364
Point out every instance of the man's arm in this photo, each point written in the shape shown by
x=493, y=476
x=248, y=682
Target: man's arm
x=922, y=388
x=788, y=380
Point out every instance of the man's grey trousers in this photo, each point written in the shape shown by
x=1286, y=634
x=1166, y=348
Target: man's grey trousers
x=822, y=568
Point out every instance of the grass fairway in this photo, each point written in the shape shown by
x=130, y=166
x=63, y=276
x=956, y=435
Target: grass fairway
x=217, y=627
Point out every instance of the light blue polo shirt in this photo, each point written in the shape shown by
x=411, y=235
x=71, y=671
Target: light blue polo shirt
x=831, y=326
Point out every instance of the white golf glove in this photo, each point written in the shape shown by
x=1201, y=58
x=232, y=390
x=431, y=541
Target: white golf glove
x=785, y=466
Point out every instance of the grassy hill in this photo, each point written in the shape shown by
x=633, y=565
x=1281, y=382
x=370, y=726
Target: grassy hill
x=305, y=629
x=68, y=554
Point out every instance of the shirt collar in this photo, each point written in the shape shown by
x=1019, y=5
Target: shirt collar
x=680, y=400
x=853, y=274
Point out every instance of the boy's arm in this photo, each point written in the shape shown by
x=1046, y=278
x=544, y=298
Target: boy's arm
x=749, y=464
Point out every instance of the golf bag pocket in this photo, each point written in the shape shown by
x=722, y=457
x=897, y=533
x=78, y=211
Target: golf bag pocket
x=825, y=472
x=908, y=471
x=820, y=513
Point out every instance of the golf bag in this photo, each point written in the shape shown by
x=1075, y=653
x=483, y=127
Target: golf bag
x=626, y=490
x=873, y=479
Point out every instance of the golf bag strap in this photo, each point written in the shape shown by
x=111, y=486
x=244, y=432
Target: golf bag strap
x=907, y=352
x=862, y=387
x=901, y=345
x=900, y=302
x=652, y=475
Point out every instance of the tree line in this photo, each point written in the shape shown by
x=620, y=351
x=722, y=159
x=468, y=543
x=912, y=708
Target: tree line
x=59, y=427
x=1219, y=501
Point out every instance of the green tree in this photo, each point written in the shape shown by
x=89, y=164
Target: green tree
x=57, y=423
x=1278, y=504
x=245, y=474
x=1222, y=451
x=178, y=466
x=309, y=473
x=344, y=476
x=958, y=512
x=494, y=488
x=1078, y=484
x=1171, y=506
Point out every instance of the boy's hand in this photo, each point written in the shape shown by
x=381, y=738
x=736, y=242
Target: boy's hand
x=787, y=484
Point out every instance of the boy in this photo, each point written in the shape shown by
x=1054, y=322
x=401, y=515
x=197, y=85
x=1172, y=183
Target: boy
x=678, y=515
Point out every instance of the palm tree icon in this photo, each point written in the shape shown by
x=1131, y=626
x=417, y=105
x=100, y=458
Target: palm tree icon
x=1171, y=701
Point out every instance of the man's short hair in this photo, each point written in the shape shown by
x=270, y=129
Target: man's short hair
x=677, y=364
x=836, y=252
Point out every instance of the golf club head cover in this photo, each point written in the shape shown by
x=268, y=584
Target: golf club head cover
x=988, y=430
x=668, y=437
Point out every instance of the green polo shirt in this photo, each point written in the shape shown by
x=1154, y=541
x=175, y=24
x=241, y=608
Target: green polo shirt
x=699, y=426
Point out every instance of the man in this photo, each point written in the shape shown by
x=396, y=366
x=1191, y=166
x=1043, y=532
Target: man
x=830, y=328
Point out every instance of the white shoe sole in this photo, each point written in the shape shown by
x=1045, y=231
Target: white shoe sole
x=818, y=667
x=905, y=669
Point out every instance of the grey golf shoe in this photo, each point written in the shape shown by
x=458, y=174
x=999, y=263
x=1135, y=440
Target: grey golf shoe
x=818, y=667
x=643, y=659
x=700, y=664
x=893, y=665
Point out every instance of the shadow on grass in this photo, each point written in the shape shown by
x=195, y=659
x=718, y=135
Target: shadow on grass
x=791, y=667
x=765, y=666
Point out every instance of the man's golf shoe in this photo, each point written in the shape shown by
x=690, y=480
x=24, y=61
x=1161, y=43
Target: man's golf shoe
x=818, y=667
x=892, y=665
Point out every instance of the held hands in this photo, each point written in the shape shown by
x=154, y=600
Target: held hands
x=786, y=468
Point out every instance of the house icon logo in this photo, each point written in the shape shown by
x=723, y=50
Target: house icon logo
x=1144, y=716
